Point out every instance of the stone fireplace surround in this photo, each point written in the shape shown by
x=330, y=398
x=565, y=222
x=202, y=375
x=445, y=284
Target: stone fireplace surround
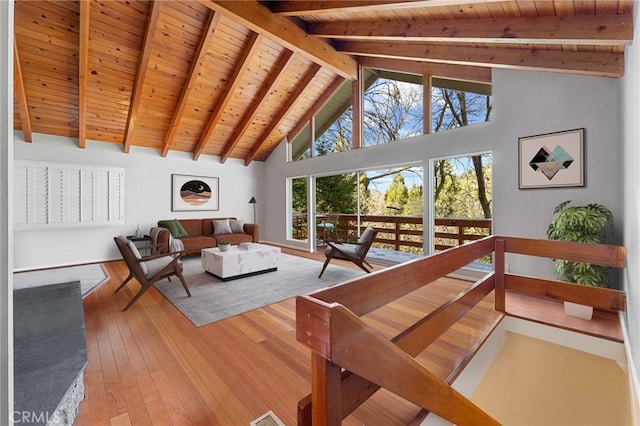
x=49, y=353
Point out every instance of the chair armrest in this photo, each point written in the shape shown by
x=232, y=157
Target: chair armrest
x=355, y=243
x=176, y=254
x=169, y=267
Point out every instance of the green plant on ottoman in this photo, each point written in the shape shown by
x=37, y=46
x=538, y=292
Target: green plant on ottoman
x=584, y=224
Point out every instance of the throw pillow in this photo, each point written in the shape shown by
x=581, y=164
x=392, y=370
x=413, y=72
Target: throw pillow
x=221, y=226
x=181, y=232
x=175, y=227
x=237, y=226
x=168, y=224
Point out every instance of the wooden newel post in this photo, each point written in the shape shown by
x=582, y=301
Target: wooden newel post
x=326, y=409
x=500, y=302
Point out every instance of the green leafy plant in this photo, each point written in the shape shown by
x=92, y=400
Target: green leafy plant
x=584, y=224
x=223, y=243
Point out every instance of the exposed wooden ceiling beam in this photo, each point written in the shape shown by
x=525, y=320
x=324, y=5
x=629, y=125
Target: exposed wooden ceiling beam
x=267, y=87
x=259, y=18
x=315, y=7
x=21, y=95
x=280, y=115
x=599, y=30
x=83, y=72
x=602, y=64
x=136, y=95
x=210, y=28
x=240, y=68
x=454, y=72
x=317, y=105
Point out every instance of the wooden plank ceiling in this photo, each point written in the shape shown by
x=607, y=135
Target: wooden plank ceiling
x=233, y=78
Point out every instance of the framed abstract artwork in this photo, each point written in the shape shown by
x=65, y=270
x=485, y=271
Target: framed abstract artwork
x=551, y=160
x=190, y=193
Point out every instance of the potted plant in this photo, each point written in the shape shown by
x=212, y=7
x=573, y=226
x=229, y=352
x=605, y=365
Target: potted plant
x=224, y=245
x=585, y=224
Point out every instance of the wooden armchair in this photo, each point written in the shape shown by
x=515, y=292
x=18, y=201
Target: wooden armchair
x=150, y=269
x=354, y=252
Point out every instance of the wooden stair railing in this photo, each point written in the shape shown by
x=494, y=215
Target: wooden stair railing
x=328, y=322
x=347, y=344
x=413, y=340
x=599, y=254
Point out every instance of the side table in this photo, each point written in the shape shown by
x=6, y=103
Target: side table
x=146, y=239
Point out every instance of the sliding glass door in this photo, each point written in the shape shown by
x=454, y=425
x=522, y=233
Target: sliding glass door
x=391, y=200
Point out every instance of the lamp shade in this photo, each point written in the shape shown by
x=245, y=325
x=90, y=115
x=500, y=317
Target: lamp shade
x=252, y=200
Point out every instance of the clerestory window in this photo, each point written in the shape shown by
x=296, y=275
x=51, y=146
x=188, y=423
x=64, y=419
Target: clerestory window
x=393, y=109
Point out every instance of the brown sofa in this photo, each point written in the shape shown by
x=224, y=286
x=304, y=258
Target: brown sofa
x=201, y=235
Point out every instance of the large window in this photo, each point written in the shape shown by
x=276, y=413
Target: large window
x=298, y=215
x=337, y=137
x=393, y=109
x=461, y=199
x=456, y=108
x=391, y=200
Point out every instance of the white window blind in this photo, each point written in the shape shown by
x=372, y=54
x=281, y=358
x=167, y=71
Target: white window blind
x=50, y=195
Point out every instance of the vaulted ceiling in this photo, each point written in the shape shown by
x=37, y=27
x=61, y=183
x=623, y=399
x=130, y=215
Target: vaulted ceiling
x=234, y=78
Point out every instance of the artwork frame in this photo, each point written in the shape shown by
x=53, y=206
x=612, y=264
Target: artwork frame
x=552, y=160
x=194, y=193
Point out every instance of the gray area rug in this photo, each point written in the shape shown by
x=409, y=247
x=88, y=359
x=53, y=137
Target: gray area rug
x=213, y=299
x=90, y=276
x=390, y=257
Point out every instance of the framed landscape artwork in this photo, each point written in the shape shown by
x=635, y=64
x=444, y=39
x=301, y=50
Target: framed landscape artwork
x=190, y=193
x=551, y=160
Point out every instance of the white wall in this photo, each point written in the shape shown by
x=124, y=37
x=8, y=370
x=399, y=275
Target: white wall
x=525, y=103
x=147, y=197
x=630, y=99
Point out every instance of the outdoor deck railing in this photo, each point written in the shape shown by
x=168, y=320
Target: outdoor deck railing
x=345, y=371
x=401, y=233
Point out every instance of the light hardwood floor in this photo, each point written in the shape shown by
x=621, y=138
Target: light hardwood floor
x=152, y=366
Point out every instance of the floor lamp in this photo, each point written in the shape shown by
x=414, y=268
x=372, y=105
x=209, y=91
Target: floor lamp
x=253, y=201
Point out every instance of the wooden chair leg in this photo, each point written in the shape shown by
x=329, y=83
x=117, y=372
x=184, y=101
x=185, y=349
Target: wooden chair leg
x=326, y=262
x=184, y=284
x=364, y=268
x=124, y=282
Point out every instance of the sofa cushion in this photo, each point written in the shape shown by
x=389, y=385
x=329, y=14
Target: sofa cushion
x=193, y=245
x=237, y=226
x=221, y=226
x=156, y=265
x=175, y=227
x=235, y=239
x=193, y=227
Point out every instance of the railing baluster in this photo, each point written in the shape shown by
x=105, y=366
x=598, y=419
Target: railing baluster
x=500, y=295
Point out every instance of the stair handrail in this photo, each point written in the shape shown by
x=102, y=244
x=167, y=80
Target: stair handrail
x=328, y=322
